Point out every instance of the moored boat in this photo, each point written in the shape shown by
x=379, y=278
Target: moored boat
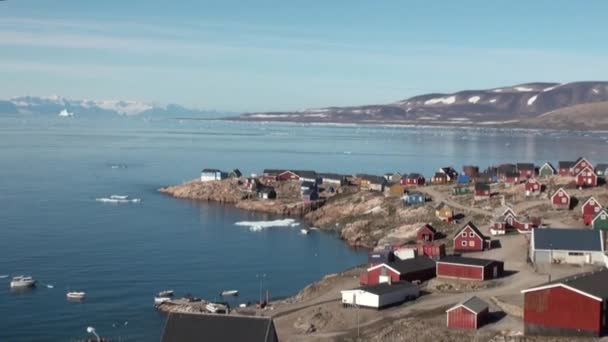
x=160, y=300
x=304, y=231
x=76, y=295
x=216, y=308
x=165, y=293
x=22, y=282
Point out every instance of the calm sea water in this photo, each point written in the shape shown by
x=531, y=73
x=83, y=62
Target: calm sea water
x=52, y=228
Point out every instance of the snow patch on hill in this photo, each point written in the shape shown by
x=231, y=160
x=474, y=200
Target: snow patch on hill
x=523, y=89
x=441, y=100
x=474, y=99
x=532, y=99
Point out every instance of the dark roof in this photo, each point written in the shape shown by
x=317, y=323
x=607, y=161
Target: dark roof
x=372, y=178
x=273, y=172
x=181, y=327
x=453, y=259
x=307, y=184
x=331, y=176
x=414, y=193
x=414, y=176
x=237, y=172
x=412, y=265
x=504, y=168
x=474, y=227
x=593, y=283
x=385, y=288
x=525, y=166
x=440, y=175
x=601, y=167
x=211, y=170
x=510, y=174
x=449, y=171
x=475, y=304
x=567, y=239
x=305, y=173
x=565, y=164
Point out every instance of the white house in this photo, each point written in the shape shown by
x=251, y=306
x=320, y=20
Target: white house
x=569, y=246
x=212, y=175
x=381, y=295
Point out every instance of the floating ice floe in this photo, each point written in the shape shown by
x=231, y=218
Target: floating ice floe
x=3, y=276
x=256, y=226
x=118, y=199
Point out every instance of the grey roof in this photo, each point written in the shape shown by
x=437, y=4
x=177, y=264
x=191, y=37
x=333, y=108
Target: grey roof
x=475, y=304
x=305, y=173
x=593, y=283
x=567, y=239
x=385, y=288
x=274, y=172
x=565, y=164
x=412, y=265
x=211, y=170
x=504, y=168
x=331, y=176
x=525, y=166
x=372, y=178
x=453, y=259
x=414, y=176
x=181, y=327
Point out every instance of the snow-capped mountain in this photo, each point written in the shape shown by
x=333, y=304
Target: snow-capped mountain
x=52, y=105
x=510, y=105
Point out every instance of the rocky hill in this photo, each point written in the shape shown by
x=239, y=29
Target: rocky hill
x=512, y=106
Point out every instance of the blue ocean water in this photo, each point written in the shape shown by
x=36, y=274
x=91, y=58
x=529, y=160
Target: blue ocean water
x=52, y=228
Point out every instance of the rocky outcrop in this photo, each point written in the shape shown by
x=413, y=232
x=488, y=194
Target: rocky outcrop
x=225, y=191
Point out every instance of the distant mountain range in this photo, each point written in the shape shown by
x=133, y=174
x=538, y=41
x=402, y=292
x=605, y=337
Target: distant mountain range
x=543, y=105
x=53, y=105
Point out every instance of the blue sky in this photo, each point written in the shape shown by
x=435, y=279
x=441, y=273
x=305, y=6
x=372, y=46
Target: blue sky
x=274, y=55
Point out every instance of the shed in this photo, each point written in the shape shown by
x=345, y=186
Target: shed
x=196, y=327
x=415, y=269
x=470, y=314
x=426, y=233
x=469, y=268
x=590, y=208
x=381, y=295
x=572, y=306
x=569, y=246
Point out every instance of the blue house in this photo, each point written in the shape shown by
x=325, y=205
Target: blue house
x=464, y=179
x=414, y=198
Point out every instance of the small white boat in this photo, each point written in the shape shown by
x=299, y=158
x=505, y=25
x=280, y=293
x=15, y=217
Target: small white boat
x=76, y=295
x=166, y=293
x=243, y=305
x=160, y=300
x=22, y=282
x=119, y=197
x=304, y=231
x=230, y=293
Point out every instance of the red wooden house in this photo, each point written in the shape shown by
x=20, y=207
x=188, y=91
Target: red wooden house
x=512, y=178
x=469, y=268
x=419, y=268
x=526, y=170
x=532, y=186
x=413, y=179
x=590, y=209
x=470, y=314
x=560, y=199
x=470, y=239
x=482, y=191
x=287, y=175
x=565, y=168
x=586, y=178
x=440, y=178
x=579, y=165
x=426, y=233
x=573, y=306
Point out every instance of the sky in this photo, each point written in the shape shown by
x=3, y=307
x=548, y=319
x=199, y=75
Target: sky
x=291, y=55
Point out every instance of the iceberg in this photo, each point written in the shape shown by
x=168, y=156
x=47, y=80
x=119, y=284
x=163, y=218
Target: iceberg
x=256, y=226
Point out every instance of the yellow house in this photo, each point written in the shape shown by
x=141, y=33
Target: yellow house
x=444, y=212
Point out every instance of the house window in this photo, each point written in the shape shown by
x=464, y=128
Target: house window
x=463, y=243
x=603, y=217
x=596, y=209
x=564, y=200
x=575, y=254
x=472, y=243
x=471, y=234
x=464, y=234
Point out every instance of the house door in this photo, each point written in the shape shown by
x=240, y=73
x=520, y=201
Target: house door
x=495, y=272
x=589, y=181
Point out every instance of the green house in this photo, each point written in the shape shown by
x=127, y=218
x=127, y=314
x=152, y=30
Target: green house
x=460, y=190
x=601, y=220
x=546, y=170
